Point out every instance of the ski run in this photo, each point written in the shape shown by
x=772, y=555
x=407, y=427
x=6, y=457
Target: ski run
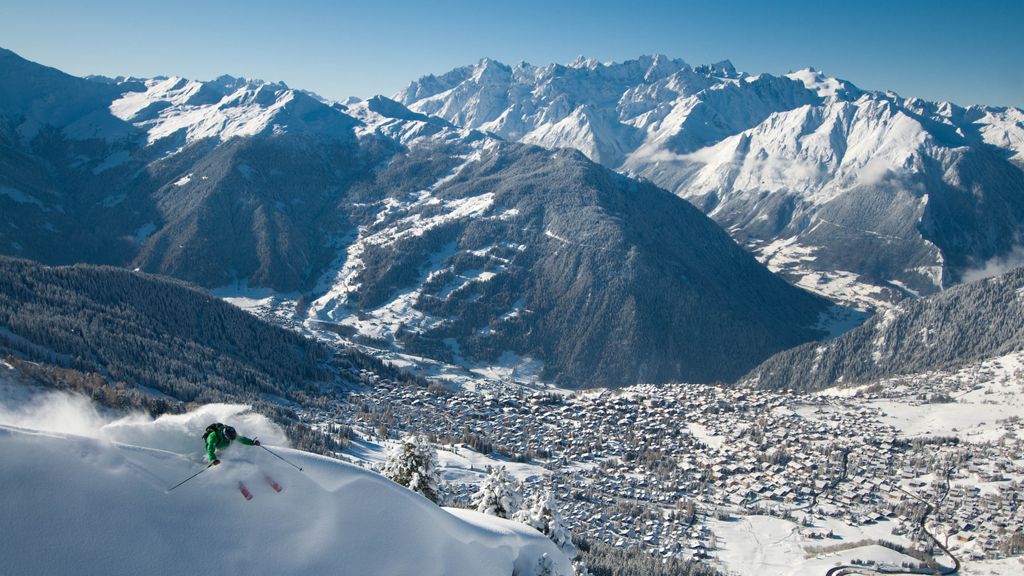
x=100, y=491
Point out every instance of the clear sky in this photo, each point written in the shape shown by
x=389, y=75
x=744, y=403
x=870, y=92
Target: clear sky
x=968, y=52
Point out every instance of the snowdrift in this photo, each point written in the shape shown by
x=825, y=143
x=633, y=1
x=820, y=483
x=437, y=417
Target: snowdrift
x=93, y=505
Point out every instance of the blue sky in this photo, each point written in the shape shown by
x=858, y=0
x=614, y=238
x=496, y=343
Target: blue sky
x=967, y=52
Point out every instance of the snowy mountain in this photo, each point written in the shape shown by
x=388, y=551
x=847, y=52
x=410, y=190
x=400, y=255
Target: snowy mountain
x=95, y=501
x=187, y=111
x=375, y=225
x=865, y=197
x=34, y=97
x=968, y=323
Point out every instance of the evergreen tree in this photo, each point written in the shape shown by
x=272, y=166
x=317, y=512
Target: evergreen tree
x=499, y=494
x=540, y=513
x=413, y=464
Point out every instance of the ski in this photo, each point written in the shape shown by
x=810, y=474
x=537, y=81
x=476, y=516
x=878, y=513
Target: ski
x=273, y=483
x=245, y=491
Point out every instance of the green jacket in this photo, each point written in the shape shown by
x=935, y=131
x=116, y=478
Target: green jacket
x=217, y=441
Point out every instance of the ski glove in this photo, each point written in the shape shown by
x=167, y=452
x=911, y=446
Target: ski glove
x=215, y=462
x=255, y=442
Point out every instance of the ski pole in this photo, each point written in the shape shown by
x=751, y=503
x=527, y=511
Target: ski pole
x=282, y=459
x=190, y=477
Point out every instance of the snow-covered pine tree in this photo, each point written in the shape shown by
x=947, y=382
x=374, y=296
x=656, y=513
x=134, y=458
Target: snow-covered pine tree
x=412, y=462
x=541, y=513
x=499, y=494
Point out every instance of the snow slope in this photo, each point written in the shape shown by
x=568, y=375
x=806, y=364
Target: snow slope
x=98, y=505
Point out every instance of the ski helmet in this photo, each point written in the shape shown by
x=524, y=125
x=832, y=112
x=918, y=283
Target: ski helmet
x=230, y=433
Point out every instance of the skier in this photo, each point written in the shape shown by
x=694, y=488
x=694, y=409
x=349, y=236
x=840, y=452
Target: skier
x=219, y=436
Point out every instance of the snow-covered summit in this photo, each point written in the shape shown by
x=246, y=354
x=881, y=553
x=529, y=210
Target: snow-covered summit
x=602, y=109
x=825, y=86
x=173, y=108
x=225, y=108
x=383, y=116
x=724, y=69
x=99, y=505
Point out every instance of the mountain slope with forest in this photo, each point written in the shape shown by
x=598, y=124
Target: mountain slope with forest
x=548, y=256
x=162, y=336
x=968, y=323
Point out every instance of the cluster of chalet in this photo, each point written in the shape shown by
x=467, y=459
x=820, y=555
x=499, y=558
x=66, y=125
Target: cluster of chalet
x=645, y=466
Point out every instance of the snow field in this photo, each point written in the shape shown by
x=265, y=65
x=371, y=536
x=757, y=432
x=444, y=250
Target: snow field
x=767, y=546
x=976, y=416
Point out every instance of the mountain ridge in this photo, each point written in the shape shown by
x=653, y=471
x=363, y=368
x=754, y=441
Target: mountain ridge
x=773, y=159
x=400, y=232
